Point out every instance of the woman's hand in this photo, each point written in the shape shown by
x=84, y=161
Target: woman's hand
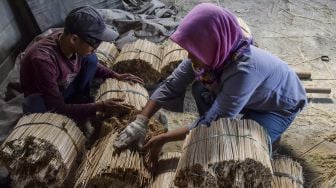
x=129, y=77
x=154, y=145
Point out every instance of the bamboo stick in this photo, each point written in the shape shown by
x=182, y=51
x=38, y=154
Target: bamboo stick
x=318, y=90
x=230, y=153
x=304, y=75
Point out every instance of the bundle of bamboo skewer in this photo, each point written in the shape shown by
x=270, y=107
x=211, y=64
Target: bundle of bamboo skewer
x=107, y=54
x=166, y=170
x=141, y=58
x=229, y=153
x=133, y=94
x=173, y=54
x=287, y=173
x=41, y=150
x=105, y=166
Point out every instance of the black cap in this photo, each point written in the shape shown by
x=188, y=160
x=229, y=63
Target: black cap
x=87, y=22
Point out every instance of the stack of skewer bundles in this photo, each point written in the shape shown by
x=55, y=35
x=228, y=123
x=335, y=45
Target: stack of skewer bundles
x=141, y=58
x=287, y=173
x=166, y=170
x=229, y=153
x=41, y=150
x=149, y=61
x=107, y=54
x=173, y=55
x=105, y=166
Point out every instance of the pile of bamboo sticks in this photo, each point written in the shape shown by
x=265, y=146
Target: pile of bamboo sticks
x=141, y=58
x=287, y=173
x=133, y=94
x=229, y=153
x=166, y=170
x=173, y=55
x=105, y=166
x=41, y=150
x=107, y=54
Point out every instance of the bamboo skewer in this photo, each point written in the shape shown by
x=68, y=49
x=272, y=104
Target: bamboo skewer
x=287, y=173
x=230, y=153
x=107, y=54
x=41, y=150
x=166, y=170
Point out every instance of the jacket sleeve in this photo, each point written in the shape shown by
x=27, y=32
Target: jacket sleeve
x=104, y=72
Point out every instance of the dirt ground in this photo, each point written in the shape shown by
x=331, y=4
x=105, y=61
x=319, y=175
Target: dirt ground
x=299, y=32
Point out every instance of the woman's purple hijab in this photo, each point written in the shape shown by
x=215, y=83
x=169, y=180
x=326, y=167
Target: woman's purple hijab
x=209, y=32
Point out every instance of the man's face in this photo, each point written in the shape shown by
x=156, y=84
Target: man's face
x=85, y=46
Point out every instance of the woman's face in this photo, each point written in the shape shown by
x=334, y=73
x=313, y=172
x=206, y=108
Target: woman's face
x=202, y=72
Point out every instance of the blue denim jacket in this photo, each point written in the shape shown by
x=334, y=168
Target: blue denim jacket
x=260, y=82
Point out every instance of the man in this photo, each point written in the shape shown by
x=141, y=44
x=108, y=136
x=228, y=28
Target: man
x=56, y=72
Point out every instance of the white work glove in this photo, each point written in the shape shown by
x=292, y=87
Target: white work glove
x=134, y=132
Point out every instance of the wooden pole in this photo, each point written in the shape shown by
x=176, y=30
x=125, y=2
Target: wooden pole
x=318, y=90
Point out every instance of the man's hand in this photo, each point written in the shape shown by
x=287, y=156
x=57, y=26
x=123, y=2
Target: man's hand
x=134, y=132
x=154, y=145
x=113, y=105
x=129, y=77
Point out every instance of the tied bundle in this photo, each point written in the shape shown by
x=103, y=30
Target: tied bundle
x=41, y=150
x=107, y=54
x=133, y=94
x=166, y=170
x=229, y=153
x=173, y=55
x=287, y=173
x=105, y=166
x=141, y=58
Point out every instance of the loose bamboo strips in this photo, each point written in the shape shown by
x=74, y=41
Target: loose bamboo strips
x=106, y=167
x=107, y=54
x=141, y=58
x=133, y=94
x=166, y=170
x=230, y=153
x=287, y=173
x=41, y=150
x=173, y=54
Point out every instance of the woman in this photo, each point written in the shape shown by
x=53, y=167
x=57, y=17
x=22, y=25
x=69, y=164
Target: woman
x=232, y=77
